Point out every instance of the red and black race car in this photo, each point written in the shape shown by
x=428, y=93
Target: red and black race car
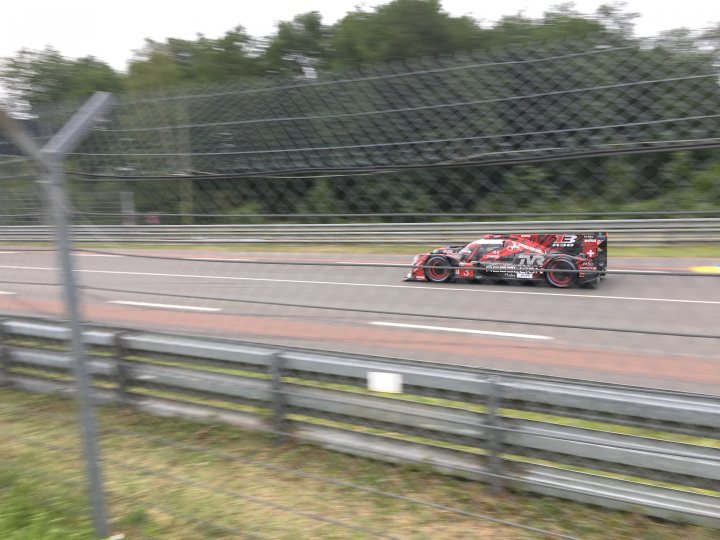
x=562, y=260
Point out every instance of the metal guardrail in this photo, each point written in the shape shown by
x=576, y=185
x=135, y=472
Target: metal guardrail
x=622, y=231
x=584, y=442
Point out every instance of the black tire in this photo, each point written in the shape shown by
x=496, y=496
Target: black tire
x=561, y=280
x=438, y=275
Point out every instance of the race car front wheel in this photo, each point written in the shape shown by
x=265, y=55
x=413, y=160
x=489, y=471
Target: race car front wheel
x=437, y=270
x=566, y=275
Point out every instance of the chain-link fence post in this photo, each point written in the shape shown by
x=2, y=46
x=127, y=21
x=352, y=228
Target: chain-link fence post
x=127, y=207
x=493, y=422
x=50, y=159
x=56, y=188
x=278, y=398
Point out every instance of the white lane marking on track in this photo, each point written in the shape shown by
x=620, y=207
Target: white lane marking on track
x=163, y=306
x=9, y=252
x=459, y=330
x=218, y=259
x=377, y=285
x=379, y=263
x=628, y=271
x=95, y=255
x=7, y=292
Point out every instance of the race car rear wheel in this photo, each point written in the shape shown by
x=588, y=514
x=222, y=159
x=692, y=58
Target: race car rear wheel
x=437, y=270
x=565, y=277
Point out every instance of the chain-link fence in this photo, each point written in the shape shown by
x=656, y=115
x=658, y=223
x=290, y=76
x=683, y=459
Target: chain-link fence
x=287, y=213
x=578, y=128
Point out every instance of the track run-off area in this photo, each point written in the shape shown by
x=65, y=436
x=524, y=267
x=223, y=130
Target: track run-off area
x=643, y=326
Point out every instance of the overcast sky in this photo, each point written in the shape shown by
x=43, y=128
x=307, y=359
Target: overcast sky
x=111, y=31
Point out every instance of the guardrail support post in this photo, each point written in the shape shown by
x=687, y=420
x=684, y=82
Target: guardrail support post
x=278, y=398
x=493, y=424
x=123, y=373
x=4, y=358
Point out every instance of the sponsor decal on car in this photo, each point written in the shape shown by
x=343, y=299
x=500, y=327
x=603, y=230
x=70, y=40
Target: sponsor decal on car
x=527, y=259
x=565, y=240
x=466, y=270
x=520, y=246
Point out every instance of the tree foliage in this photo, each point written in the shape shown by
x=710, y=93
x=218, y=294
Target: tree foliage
x=401, y=29
x=305, y=47
x=44, y=77
x=398, y=30
x=299, y=46
x=178, y=61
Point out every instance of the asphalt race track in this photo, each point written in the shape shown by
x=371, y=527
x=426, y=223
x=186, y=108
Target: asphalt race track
x=648, y=330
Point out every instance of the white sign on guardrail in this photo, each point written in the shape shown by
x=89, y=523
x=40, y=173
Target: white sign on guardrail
x=390, y=383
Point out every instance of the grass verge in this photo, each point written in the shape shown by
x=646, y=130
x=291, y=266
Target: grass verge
x=171, y=478
x=31, y=511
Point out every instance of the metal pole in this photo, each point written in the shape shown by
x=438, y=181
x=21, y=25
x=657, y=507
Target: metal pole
x=127, y=206
x=56, y=195
x=184, y=147
x=494, y=439
x=4, y=358
x=122, y=369
x=278, y=398
x=50, y=158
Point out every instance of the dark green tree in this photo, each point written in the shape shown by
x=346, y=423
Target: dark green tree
x=299, y=46
x=562, y=23
x=401, y=29
x=320, y=200
x=37, y=78
x=201, y=61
